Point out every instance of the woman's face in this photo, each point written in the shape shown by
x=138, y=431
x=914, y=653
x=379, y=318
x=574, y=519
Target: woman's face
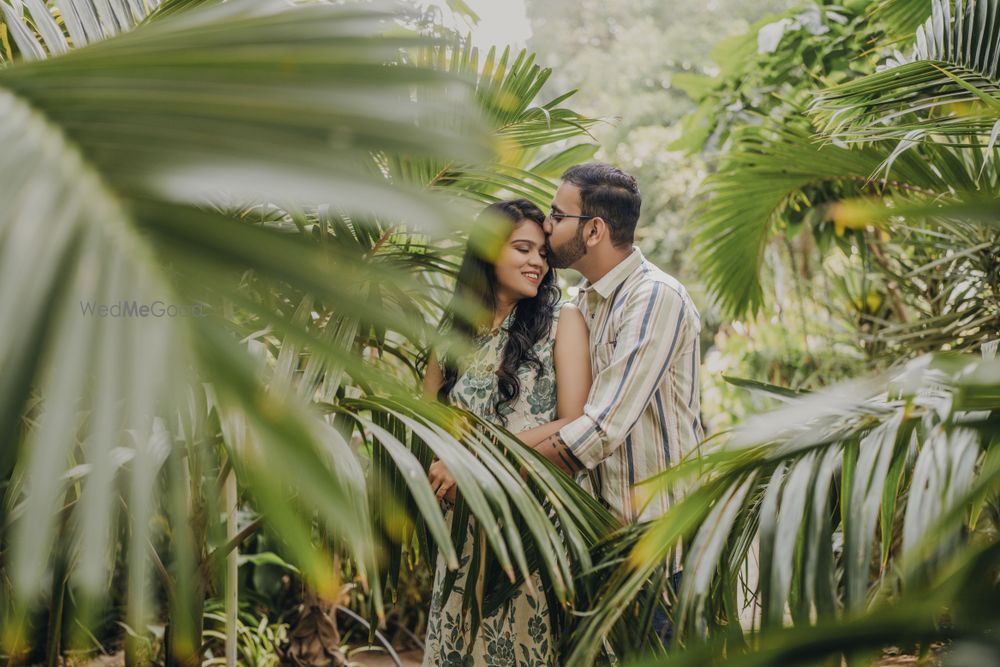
x=521, y=264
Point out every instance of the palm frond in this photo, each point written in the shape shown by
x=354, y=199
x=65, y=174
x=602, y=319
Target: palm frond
x=850, y=465
x=39, y=31
x=535, y=518
x=939, y=257
x=901, y=18
x=553, y=166
x=506, y=87
x=950, y=86
x=976, y=207
x=955, y=588
x=167, y=8
x=772, y=172
x=108, y=148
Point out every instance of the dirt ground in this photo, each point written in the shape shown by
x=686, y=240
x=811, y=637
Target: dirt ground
x=412, y=658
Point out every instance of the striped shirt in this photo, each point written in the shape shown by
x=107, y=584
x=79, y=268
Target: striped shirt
x=643, y=411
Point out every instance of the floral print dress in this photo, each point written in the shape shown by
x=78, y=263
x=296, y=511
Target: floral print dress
x=518, y=634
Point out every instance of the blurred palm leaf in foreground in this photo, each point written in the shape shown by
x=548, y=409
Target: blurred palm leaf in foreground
x=874, y=504
x=262, y=170
x=111, y=152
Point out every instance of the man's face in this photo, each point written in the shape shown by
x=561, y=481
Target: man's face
x=565, y=235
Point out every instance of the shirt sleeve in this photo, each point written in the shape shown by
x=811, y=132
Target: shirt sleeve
x=652, y=333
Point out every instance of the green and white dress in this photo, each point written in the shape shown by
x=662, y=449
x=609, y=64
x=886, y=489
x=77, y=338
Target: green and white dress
x=519, y=633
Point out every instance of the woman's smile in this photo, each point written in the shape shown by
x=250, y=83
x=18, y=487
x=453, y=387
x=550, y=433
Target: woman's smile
x=522, y=265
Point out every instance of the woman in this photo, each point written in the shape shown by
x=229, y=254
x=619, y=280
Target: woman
x=531, y=373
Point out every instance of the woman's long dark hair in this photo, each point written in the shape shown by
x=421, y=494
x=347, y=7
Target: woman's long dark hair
x=532, y=320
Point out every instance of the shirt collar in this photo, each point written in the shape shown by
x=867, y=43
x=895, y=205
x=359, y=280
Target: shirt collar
x=610, y=281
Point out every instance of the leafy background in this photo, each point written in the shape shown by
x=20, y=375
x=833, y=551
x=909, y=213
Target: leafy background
x=821, y=175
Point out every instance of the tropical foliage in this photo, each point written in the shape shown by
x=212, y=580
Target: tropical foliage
x=283, y=184
x=863, y=515
x=262, y=172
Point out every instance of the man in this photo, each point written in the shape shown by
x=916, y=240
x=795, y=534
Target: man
x=643, y=411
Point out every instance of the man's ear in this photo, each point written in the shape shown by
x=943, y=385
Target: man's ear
x=598, y=230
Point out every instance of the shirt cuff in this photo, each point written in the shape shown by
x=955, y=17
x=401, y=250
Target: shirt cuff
x=583, y=438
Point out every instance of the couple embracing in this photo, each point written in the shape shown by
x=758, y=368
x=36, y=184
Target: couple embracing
x=606, y=388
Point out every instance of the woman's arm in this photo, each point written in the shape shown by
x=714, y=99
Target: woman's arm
x=440, y=479
x=573, y=376
x=433, y=378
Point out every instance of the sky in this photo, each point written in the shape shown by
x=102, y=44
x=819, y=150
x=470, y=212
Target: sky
x=501, y=22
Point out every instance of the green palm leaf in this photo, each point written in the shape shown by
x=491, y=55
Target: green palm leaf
x=955, y=587
x=901, y=18
x=949, y=240
x=857, y=446
x=39, y=31
x=950, y=86
x=131, y=148
x=534, y=516
x=506, y=87
x=772, y=172
x=108, y=148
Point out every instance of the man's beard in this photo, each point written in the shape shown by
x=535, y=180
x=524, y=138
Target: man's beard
x=567, y=254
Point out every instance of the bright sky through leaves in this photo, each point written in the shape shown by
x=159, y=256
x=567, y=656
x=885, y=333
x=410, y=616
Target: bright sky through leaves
x=500, y=23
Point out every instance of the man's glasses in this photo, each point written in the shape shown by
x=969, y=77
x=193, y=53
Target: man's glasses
x=558, y=216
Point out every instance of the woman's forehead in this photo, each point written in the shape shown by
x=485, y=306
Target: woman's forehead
x=528, y=230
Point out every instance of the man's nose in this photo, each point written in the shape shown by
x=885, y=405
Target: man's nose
x=547, y=225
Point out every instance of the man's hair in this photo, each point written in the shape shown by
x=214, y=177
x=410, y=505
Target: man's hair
x=609, y=193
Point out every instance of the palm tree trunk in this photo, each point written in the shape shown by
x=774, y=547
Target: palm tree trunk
x=184, y=631
x=190, y=582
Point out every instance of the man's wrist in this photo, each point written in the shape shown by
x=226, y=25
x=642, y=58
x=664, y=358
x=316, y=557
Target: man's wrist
x=555, y=449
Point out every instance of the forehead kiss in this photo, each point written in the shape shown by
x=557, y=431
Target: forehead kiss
x=528, y=233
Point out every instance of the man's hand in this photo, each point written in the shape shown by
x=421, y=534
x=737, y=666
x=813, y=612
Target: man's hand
x=442, y=483
x=555, y=450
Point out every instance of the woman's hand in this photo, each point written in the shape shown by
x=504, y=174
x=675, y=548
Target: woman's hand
x=442, y=483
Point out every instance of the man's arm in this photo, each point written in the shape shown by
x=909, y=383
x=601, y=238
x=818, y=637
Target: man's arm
x=555, y=450
x=571, y=358
x=655, y=328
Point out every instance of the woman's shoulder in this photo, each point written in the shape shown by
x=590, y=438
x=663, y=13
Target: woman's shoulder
x=557, y=309
x=549, y=338
x=570, y=324
x=567, y=310
x=566, y=317
x=562, y=307
x=568, y=307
